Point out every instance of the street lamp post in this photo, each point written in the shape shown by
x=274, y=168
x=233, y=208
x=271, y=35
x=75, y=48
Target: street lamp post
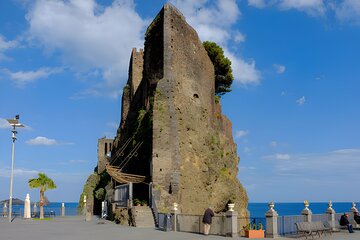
x=14, y=123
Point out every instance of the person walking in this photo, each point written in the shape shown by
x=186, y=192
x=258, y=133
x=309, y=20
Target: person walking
x=207, y=220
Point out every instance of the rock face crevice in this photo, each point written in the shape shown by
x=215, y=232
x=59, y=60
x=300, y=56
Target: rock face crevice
x=188, y=152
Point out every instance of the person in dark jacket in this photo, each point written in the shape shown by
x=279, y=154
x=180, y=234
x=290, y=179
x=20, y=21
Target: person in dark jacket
x=344, y=221
x=207, y=220
x=357, y=217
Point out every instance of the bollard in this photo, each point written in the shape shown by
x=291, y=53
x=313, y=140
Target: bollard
x=84, y=205
x=175, y=212
x=27, y=212
x=34, y=210
x=306, y=212
x=271, y=222
x=231, y=221
x=63, y=209
x=5, y=210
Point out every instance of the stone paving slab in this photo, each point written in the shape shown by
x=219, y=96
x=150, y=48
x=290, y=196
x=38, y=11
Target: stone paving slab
x=75, y=228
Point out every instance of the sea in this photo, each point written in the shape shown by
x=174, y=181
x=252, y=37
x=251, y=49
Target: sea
x=257, y=210
x=70, y=208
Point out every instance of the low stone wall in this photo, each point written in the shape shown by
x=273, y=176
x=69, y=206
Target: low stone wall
x=193, y=224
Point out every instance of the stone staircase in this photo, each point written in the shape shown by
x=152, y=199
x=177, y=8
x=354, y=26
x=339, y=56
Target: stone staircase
x=143, y=217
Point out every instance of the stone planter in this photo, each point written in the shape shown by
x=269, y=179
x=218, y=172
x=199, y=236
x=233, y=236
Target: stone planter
x=254, y=233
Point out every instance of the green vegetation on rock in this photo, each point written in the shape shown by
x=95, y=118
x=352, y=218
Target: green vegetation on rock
x=222, y=65
x=94, y=187
x=88, y=190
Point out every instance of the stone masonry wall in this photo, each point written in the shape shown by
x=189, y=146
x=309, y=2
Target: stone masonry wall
x=104, y=146
x=188, y=151
x=194, y=159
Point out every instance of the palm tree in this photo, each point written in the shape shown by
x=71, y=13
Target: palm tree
x=44, y=183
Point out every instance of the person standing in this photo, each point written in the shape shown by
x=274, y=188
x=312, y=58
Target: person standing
x=207, y=220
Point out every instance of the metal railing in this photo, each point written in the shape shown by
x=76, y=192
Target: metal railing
x=286, y=224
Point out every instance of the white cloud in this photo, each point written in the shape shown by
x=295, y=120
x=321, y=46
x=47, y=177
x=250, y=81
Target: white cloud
x=245, y=169
x=241, y=133
x=214, y=22
x=347, y=151
x=301, y=101
x=5, y=172
x=320, y=165
x=239, y=37
x=279, y=68
x=4, y=46
x=306, y=173
x=244, y=72
x=89, y=37
x=23, y=77
x=78, y=161
x=42, y=141
x=247, y=149
x=311, y=7
x=281, y=156
x=257, y=3
x=4, y=123
x=211, y=21
x=273, y=143
x=348, y=10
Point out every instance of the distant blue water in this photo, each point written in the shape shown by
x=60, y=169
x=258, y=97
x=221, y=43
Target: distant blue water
x=258, y=210
x=70, y=208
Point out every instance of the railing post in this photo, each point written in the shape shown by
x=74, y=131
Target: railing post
x=271, y=222
x=331, y=213
x=231, y=221
x=63, y=209
x=306, y=212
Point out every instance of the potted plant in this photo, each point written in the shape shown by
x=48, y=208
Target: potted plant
x=137, y=202
x=144, y=203
x=253, y=231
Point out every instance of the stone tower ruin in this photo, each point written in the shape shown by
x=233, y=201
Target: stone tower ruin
x=184, y=143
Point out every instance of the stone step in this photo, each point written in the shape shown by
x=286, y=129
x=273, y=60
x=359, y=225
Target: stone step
x=144, y=217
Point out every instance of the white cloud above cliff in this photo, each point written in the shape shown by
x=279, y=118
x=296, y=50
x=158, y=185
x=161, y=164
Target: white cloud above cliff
x=21, y=78
x=279, y=68
x=6, y=45
x=346, y=11
x=241, y=133
x=311, y=7
x=89, y=36
x=42, y=141
x=214, y=21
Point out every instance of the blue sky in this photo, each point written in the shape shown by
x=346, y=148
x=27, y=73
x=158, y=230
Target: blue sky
x=294, y=104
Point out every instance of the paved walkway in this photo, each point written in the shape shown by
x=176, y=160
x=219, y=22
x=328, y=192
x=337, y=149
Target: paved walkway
x=75, y=228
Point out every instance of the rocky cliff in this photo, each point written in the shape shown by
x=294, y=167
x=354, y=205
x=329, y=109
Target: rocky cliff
x=187, y=150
